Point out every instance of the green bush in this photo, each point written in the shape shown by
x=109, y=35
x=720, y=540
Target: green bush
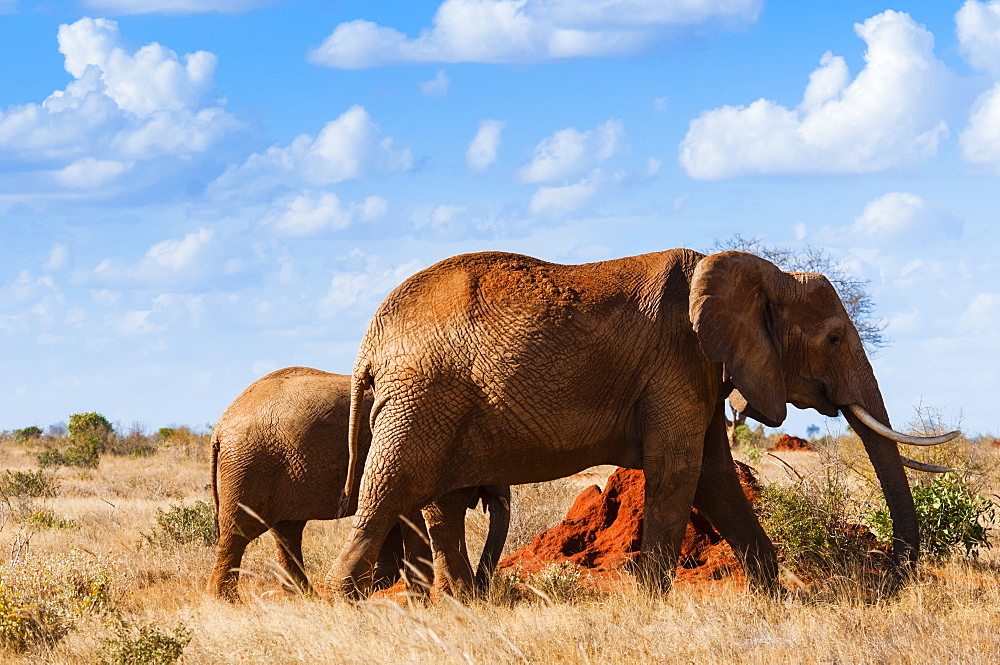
x=46, y=519
x=84, y=452
x=184, y=525
x=813, y=525
x=27, y=434
x=89, y=435
x=950, y=515
x=142, y=451
x=28, y=483
x=145, y=645
x=50, y=457
x=92, y=423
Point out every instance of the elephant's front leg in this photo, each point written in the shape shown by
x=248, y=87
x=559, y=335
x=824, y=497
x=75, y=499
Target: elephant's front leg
x=720, y=498
x=445, y=519
x=671, y=465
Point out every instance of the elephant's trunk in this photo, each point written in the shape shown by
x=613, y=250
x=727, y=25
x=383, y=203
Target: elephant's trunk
x=885, y=457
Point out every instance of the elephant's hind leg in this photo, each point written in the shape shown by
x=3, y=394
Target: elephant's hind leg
x=392, y=485
x=235, y=533
x=288, y=537
x=445, y=519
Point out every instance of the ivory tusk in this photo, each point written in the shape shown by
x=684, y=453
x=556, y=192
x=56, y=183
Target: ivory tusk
x=890, y=433
x=921, y=466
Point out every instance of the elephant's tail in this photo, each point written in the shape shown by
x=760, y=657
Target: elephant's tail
x=360, y=380
x=215, y=477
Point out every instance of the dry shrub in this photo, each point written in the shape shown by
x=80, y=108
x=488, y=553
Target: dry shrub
x=42, y=598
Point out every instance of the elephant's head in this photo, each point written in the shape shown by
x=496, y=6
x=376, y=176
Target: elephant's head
x=786, y=338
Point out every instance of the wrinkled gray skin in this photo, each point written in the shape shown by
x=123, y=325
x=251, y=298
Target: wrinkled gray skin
x=497, y=368
x=280, y=449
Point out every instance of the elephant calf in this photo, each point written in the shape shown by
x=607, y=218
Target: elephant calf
x=279, y=459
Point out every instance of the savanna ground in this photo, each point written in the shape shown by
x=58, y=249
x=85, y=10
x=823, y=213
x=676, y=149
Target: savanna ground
x=93, y=574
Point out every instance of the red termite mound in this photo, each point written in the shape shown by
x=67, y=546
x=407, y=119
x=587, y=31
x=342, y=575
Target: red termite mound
x=792, y=443
x=602, y=531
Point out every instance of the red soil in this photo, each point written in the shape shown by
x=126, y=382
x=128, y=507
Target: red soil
x=792, y=443
x=602, y=531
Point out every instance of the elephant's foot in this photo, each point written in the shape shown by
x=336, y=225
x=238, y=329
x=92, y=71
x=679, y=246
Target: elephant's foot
x=653, y=572
x=224, y=587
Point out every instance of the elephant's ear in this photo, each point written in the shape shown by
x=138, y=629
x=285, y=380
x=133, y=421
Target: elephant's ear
x=732, y=299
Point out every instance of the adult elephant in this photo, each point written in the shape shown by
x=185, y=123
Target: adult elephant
x=279, y=459
x=497, y=368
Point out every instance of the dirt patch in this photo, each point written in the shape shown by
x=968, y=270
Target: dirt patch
x=603, y=529
x=792, y=443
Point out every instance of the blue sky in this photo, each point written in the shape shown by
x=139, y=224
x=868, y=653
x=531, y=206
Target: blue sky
x=196, y=192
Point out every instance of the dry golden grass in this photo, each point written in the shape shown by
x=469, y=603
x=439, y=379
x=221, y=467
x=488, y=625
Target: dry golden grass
x=947, y=613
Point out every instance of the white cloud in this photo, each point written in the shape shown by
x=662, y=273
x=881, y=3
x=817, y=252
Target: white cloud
x=314, y=212
x=980, y=140
x=903, y=220
x=483, y=148
x=982, y=315
x=176, y=6
x=443, y=215
x=437, y=86
x=526, y=31
x=569, y=152
x=58, y=257
x=557, y=201
x=123, y=106
x=150, y=79
x=364, y=286
x=978, y=28
x=167, y=260
x=890, y=115
x=180, y=254
x=135, y=322
x=88, y=173
x=349, y=147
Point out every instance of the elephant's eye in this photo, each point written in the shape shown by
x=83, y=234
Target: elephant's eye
x=833, y=339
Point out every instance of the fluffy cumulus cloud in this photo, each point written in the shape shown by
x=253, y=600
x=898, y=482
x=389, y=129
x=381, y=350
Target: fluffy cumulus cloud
x=890, y=115
x=978, y=28
x=482, y=150
x=175, y=6
x=509, y=31
x=569, y=152
x=311, y=213
x=348, y=147
x=124, y=106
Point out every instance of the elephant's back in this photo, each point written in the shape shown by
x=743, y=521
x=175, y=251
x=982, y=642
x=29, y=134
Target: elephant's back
x=283, y=443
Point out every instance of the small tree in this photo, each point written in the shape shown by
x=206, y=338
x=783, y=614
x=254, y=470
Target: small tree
x=89, y=434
